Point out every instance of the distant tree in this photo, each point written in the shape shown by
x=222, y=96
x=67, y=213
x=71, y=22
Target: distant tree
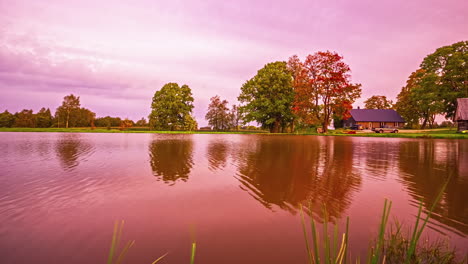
x=25, y=118
x=142, y=122
x=447, y=69
x=7, y=119
x=235, y=117
x=322, y=87
x=170, y=107
x=378, y=102
x=267, y=98
x=107, y=121
x=68, y=110
x=44, y=118
x=126, y=123
x=218, y=114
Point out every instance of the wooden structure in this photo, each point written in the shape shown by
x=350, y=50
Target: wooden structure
x=374, y=118
x=461, y=115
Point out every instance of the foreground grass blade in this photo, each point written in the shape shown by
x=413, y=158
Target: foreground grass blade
x=417, y=233
x=192, y=255
x=309, y=254
x=161, y=257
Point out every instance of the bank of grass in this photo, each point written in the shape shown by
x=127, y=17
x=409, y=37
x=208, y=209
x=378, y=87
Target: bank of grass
x=428, y=134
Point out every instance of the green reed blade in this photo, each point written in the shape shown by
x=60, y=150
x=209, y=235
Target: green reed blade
x=192, y=255
x=305, y=235
x=113, y=243
x=124, y=251
x=161, y=257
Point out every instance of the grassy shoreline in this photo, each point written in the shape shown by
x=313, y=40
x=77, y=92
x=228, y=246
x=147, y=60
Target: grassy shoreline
x=434, y=134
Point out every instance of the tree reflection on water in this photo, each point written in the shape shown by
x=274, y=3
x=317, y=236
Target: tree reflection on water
x=171, y=157
x=425, y=165
x=290, y=171
x=70, y=149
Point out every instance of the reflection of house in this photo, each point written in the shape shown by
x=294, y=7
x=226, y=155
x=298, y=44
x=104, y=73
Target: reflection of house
x=461, y=116
x=372, y=118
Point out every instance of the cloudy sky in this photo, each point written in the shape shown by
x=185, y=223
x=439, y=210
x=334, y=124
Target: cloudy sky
x=116, y=54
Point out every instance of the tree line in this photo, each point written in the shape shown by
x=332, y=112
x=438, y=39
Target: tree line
x=69, y=114
x=284, y=96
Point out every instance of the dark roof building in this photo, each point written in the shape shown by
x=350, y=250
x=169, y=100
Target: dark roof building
x=461, y=115
x=372, y=118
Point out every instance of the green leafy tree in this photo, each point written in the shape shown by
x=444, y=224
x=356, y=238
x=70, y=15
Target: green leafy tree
x=7, y=119
x=448, y=71
x=218, y=114
x=420, y=99
x=267, y=98
x=378, y=102
x=68, y=111
x=44, y=118
x=25, y=118
x=171, y=107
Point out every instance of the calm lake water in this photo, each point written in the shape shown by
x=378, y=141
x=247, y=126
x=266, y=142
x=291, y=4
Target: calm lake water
x=238, y=195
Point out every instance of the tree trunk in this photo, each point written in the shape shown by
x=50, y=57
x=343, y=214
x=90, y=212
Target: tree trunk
x=275, y=127
x=68, y=117
x=423, y=126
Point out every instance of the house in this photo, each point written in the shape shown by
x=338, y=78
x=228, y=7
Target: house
x=373, y=118
x=461, y=115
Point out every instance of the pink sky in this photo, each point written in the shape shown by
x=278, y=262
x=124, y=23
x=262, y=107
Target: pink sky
x=116, y=54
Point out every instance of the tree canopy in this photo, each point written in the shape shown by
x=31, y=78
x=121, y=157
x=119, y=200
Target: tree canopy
x=322, y=88
x=268, y=97
x=434, y=87
x=171, y=108
x=378, y=102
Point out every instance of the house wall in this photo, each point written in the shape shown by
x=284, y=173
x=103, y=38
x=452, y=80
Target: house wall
x=370, y=125
x=462, y=125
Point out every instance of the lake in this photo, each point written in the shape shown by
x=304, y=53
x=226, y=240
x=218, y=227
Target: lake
x=238, y=196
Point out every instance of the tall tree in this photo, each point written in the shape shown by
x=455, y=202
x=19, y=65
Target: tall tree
x=235, y=117
x=322, y=86
x=448, y=68
x=44, y=118
x=68, y=110
x=267, y=98
x=420, y=99
x=7, y=119
x=25, y=118
x=218, y=116
x=170, y=107
x=378, y=102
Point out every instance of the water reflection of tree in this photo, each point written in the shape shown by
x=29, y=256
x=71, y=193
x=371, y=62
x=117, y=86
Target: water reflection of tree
x=70, y=149
x=289, y=171
x=425, y=166
x=171, y=157
x=217, y=154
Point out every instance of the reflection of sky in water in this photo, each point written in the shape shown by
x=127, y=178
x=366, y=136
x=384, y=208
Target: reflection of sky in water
x=242, y=192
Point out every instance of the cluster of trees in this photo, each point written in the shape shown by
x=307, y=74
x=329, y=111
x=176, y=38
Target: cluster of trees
x=27, y=118
x=220, y=117
x=69, y=114
x=299, y=93
x=434, y=88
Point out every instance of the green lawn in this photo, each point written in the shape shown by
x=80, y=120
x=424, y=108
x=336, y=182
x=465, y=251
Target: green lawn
x=434, y=133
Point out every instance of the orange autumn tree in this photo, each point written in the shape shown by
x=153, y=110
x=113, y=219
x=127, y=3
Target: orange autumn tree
x=322, y=87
